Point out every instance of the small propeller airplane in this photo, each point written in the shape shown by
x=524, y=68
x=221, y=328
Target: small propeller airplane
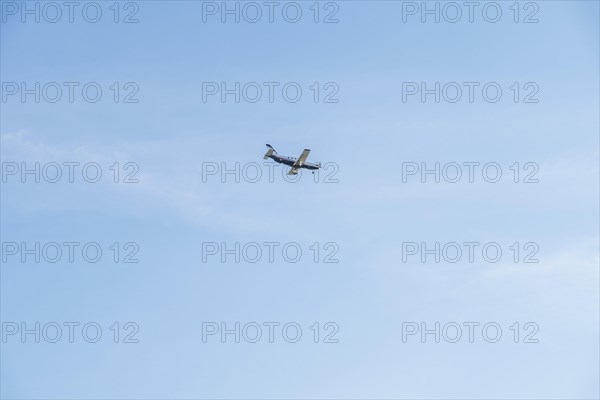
x=295, y=163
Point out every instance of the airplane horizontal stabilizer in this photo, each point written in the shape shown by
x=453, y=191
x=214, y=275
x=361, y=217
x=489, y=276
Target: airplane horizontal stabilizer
x=268, y=154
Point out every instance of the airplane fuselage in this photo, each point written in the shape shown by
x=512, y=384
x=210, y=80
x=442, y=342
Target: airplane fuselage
x=295, y=163
x=290, y=161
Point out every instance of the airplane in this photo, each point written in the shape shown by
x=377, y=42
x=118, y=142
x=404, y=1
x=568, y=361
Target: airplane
x=295, y=163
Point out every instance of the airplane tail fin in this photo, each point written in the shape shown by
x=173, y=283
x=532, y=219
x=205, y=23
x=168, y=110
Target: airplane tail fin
x=269, y=152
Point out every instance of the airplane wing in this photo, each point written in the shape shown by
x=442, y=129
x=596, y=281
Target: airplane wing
x=293, y=171
x=300, y=161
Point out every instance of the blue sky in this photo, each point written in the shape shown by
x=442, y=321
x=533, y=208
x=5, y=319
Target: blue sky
x=369, y=213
